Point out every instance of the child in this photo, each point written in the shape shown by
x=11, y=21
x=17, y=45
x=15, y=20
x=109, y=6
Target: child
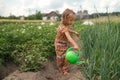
x=63, y=38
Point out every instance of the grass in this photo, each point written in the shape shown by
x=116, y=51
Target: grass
x=101, y=49
x=17, y=20
x=114, y=19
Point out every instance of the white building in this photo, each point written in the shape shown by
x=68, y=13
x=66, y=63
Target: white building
x=51, y=16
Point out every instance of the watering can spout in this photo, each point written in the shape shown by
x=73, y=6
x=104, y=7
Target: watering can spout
x=80, y=62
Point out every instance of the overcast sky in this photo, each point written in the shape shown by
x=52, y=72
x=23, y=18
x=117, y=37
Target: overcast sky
x=26, y=7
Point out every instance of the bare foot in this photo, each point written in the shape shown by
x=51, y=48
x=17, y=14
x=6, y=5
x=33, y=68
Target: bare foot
x=66, y=73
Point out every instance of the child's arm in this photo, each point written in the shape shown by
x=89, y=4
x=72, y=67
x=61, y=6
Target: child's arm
x=74, y=32
x=71, y=40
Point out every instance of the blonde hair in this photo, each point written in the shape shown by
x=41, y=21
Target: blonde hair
x=66, y=15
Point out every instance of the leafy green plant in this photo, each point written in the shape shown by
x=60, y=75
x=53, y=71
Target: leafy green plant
x=101, y=48
x=28, y=44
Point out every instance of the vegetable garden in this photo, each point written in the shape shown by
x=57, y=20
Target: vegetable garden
x=31, y=44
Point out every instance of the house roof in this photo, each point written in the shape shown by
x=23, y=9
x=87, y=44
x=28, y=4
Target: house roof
x=53, y=13
x=44, y=14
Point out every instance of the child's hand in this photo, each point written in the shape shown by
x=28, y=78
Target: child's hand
x=77, y=33
x=76, y=47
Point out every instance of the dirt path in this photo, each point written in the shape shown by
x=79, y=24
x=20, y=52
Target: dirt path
x=49, y=72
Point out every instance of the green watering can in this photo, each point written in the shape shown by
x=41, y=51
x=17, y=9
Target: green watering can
x=73, y=57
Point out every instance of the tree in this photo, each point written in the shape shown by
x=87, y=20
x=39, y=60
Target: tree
x=12, y=17
x=31, y=17
x=38, y=15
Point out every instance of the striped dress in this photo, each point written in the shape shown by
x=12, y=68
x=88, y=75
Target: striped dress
x=61, y=45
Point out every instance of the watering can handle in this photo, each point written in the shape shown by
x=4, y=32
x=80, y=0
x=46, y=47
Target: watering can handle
x=71, y=48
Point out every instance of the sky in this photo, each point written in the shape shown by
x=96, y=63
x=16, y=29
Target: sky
x=27, y=7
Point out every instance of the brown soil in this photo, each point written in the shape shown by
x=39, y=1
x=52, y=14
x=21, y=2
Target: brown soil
x=48, y=72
